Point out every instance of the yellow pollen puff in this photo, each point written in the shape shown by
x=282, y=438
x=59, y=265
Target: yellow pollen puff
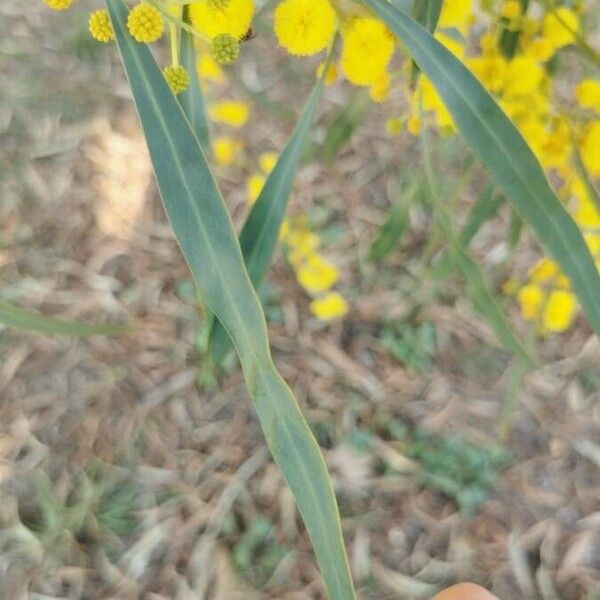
x=367, y=51
x=254, y=187
x=226, y=150
x=232, y=113
x=530, y=299
x=209, y=69
x=304, y=27
x=329, y=307
x=145, y=23
x=559, y=311
x=317, y=275
x=380, y=88
x=100, y=27
x=210, y=19
x=587, y=93
x=511, y=9
x=58, y=4
x=267, y=161
x=559, y=27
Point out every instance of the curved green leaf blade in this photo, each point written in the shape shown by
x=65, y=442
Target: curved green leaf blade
x=18, y=318
x=192, y=99
x=477, y=287
x=502, y=150
x=207, y=239
x=259, y=235
x=427, y=12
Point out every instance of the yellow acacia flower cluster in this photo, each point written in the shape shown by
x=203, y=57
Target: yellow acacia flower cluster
x=473, y=30
x=313, y=271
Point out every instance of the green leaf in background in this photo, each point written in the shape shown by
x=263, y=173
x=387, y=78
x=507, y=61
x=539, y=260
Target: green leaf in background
x=477, y=287
x=509, y=38
x=502, y=150
x=426, y=12
x=485, y=208
x=205, y=233
x=192, y=99
x=18, y=318
x=343, y=126
x=259, y=235
x=394, y=227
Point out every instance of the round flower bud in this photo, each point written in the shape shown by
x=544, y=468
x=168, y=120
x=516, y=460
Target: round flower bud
x=100, y=26
x=58, y=4
x=177, y=78
x=225, y=49
x=145, y=23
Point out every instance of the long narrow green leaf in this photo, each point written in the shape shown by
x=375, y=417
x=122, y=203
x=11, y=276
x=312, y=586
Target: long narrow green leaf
x=395, y=225
x=260, y=232
x=486, y=207
x=500, y=147
x=509, y=37
x=192, y=99
x=343, y=126
x=477, y=287
x=23, y=319
x=427, y=12
x=205, y=233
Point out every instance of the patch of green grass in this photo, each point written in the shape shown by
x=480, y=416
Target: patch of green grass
x=99, y=509
x=412, y=345
x=256, y=554
x=451, y=465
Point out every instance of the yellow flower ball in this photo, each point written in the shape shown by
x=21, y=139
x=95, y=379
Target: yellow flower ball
x=226, y=150
x=211, y=20
x=232, y=113
x=145, y=23
x=100, y=27
x=329, y=307
x=254, y=186
x=456, y=14
x=530, y=299
x=559, y=27
x=267, y=161
x=524, y=76
x=58, y=4
x=380, y=88
x=587, y=93
x=225, y=49
x=209, y=69
x=559, y=311
x=177, y=78
x=511, y=9
x=304, y=27
x=317, y=275
x=490, y=70
x=367, y=51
